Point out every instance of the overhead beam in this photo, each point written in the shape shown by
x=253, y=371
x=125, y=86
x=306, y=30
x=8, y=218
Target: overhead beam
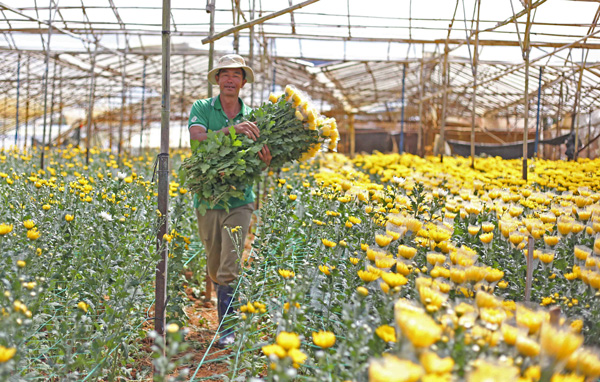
x=260, y=20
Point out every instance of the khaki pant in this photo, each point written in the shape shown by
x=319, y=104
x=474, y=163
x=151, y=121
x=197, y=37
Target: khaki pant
x=221, y=253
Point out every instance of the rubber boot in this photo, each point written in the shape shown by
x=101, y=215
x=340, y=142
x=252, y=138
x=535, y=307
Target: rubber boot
x=225, y=308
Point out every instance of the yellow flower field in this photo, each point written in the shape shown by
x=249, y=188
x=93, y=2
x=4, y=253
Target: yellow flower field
x=418, y=270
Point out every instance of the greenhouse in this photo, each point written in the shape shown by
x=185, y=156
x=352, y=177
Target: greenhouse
x=322, y=190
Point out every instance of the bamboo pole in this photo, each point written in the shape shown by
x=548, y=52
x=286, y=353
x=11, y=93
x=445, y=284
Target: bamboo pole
x=260, y=20
x=17, y=106
x=88, y=134
x=163, y=176
x=526, y=51
x=475, y=63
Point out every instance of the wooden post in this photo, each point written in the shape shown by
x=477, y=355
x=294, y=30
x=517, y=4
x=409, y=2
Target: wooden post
x=210, y=8
x=163, y=175
x=88, y=134
x=529, y=272
x=475, y=62
x=526, y=50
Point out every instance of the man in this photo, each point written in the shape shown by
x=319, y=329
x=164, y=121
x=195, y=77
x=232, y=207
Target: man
x=217, y=114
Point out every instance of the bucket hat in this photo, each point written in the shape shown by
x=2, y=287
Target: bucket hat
x=231, y=61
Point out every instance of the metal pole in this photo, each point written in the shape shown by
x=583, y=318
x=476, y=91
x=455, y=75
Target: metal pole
x=273, y=85
x=4, y=116
x=401, y=148
x=46, y=84
x=110, y=123
x=60, y=102
x=182, y=102
x=352, y=134
x=163, y=175
x=444, y=106
x=589, y=153
x=537, y=118
x=421, y=85
x=88, y=134
x=143, y=103
x=18, y=87
x=27, y=105
x=123, y=95
x=52, y=104
x=210, y=8
x=475, y=63
x=558, y=117
x=526, y=116
x=251, y=56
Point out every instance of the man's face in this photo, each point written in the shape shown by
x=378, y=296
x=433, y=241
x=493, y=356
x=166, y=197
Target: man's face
x=231, y=81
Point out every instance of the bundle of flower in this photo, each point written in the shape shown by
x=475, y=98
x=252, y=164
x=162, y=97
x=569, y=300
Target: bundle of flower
x=223, y=164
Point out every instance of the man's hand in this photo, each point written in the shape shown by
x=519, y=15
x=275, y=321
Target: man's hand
x=265, y=155
x=247, y=128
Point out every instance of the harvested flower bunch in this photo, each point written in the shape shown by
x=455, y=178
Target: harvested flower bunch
x=223, y=164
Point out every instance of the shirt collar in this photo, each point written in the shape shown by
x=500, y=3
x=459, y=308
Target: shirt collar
x=216, y=103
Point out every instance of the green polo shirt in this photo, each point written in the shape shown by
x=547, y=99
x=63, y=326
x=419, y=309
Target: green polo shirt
x=209, y=114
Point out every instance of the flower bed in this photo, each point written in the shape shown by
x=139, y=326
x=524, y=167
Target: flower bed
x=78, y=253
x=398, y=268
